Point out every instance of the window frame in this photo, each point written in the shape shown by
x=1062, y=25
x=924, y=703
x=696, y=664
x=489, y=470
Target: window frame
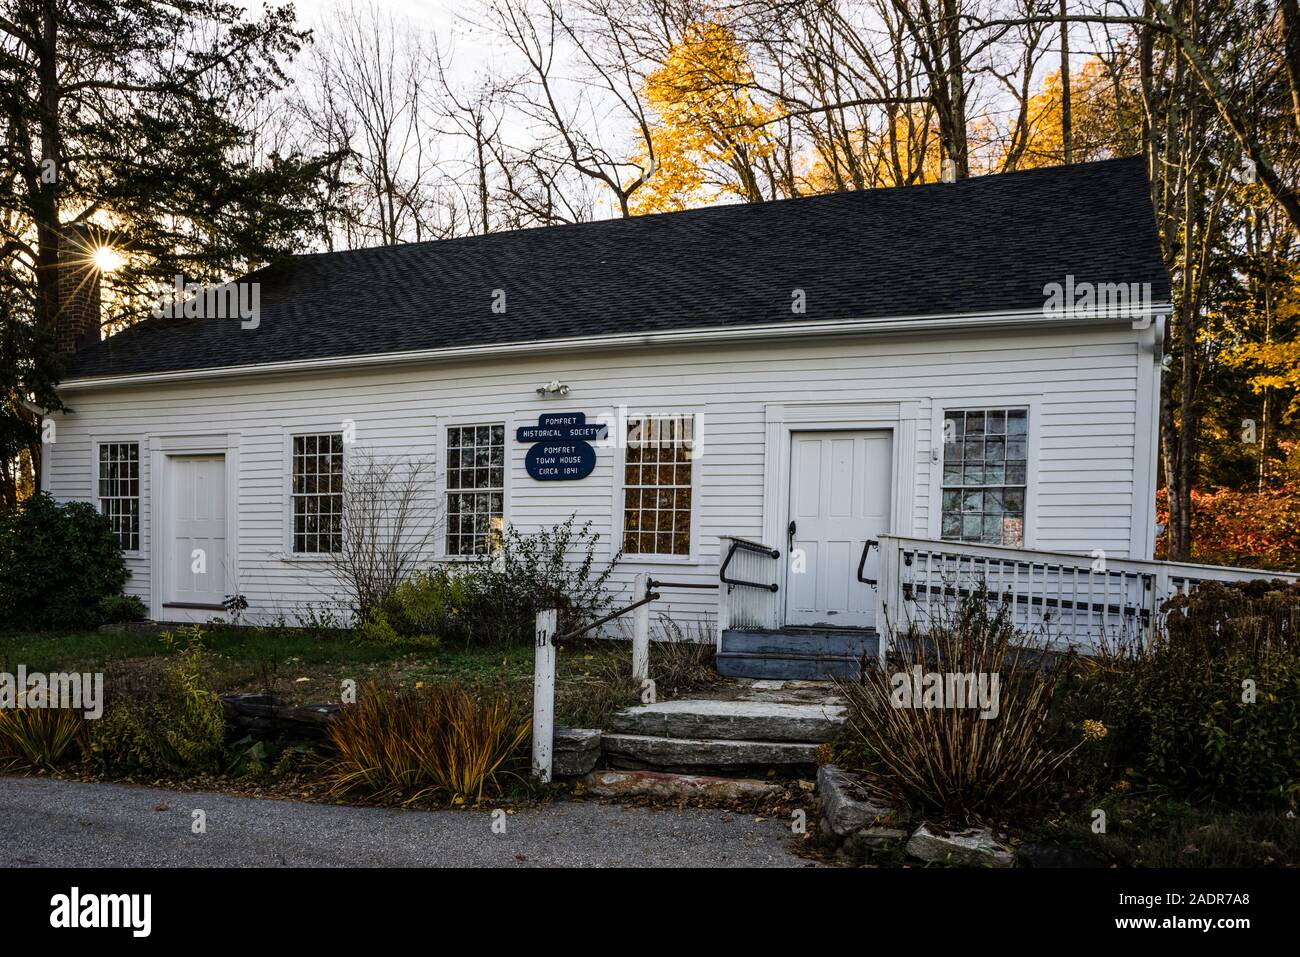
x=98, y=499
x=941, y=405
x=445, y=491
x=290, y=436
x=619, y=518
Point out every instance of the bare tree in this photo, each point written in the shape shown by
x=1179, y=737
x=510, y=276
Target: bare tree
x=390, y=520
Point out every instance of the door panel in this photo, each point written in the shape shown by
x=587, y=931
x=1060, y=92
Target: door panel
x=197, y=504
x=839, y=498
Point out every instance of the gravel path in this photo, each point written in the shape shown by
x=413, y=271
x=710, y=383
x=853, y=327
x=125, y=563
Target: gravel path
x=45, y=823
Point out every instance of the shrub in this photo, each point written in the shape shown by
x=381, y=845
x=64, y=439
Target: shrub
x=179, y=729
x=1178, y=714
x=494, y=599
x=1252, y=529
x=119, y=609
x=38, y=738
x=950, y=759
x=412, y=743
x=59, y=561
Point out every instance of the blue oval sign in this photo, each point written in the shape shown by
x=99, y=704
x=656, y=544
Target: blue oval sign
x=560, y=461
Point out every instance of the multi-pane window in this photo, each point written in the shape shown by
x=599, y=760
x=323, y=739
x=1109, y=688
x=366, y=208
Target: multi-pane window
x=119, y=491
x=657, y=485
x=318, y=493
x=476, y=481
x=984, y=464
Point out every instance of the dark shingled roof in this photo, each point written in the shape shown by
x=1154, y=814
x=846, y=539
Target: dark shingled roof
x=987, y=244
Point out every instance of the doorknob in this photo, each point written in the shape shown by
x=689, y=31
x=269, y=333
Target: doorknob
x=790, y=531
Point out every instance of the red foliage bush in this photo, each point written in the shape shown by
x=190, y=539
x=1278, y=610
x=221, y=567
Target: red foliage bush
x=1251, y=529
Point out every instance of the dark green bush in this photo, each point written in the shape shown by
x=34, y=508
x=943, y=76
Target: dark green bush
x=494, y=599
x=1212, y=709
x=119, y=609
x=57, y=562
x=177, y=729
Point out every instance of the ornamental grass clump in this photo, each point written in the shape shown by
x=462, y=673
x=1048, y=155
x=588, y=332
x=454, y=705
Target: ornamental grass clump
x=408, y=744
x=37, y=739
x=956, y=723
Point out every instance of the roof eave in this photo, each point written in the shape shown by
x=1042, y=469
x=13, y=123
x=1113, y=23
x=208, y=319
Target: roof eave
x=767, y=331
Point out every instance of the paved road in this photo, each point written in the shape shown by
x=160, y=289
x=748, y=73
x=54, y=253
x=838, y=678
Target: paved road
x=46, y=823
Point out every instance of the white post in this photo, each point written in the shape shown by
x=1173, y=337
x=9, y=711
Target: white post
x=544, y=695
x=641, y=631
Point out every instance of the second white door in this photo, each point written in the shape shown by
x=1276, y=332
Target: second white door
x=839, y=498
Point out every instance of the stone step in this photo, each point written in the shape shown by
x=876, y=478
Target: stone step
x=671, y=754
x=832, y=644
x=733, y=664
x=730, y=720
x=659, y=784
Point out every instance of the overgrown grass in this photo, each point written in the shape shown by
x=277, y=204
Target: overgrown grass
x=1154, y=830
x=410, y=744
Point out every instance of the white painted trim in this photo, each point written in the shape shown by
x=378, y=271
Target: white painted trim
x=96, y=440
x=618, y=478
x=951, y=399
x=287, y=434
x=444, y=423
x=162, y=448
x=751, y=333
x=1142, y=542
x=784, y=419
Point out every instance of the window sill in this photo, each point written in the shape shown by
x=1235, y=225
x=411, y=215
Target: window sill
x=661, y=560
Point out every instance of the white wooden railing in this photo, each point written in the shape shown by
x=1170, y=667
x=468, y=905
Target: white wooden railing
x=1057, y=598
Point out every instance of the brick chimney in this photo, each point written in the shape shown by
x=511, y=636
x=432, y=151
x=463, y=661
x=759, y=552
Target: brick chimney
x=77, y=323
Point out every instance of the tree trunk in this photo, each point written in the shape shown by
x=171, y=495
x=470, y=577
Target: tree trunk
x=1066, y=145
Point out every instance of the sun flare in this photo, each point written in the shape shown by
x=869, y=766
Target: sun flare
x=107, y=258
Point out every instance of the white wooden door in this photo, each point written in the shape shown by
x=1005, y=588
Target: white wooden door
x=839, y=498
x=196, y=546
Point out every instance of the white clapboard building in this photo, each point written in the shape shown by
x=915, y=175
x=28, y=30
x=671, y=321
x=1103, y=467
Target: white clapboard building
x=814, y=409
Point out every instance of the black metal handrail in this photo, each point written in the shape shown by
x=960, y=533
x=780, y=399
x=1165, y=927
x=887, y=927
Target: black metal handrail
x=569, y=636
x=862, y=563
x=655, y=583
x=738, y=544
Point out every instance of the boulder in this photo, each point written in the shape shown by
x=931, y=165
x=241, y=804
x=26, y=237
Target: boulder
x=846, y=808
x=973, y=847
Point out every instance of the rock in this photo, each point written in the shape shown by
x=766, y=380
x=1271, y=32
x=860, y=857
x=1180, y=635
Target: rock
x=575, y=751
x=660, y=784
x=690, y=754
x=973, y=847
x=877, y=838
x=743, y=720
x=1051, y=854
x=845, y=807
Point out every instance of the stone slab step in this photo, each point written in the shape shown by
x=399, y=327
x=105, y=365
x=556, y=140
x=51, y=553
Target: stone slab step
x=616, y=784
x=649, y=751
x=733, y=664
x=730, y=720
x=832, y=644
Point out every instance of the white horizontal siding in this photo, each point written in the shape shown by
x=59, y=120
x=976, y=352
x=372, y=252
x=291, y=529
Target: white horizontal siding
x=1090, y=457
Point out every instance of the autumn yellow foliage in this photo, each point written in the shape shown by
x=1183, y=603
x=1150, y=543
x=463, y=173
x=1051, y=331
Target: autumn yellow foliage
x=711, y=136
